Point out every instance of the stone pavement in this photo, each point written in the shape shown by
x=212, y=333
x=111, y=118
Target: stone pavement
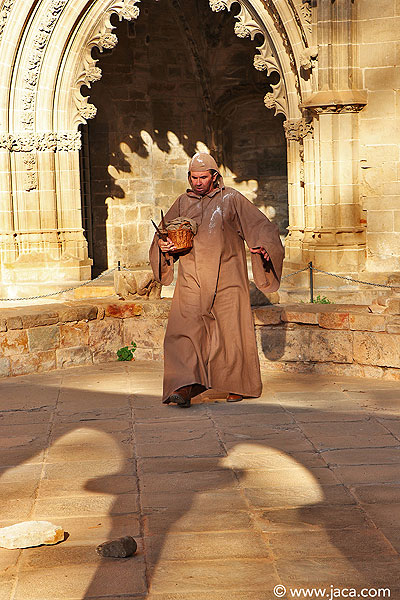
x=300, y=487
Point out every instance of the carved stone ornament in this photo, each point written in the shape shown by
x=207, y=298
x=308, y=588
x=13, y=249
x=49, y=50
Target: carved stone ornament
x=30, y=179
x=260, y=63
x=88, y=111
x=267, y=59
x=241, y=30
x=93, y=74
x=130, y=10
x=306, y=13
x=108, y=41
x=4, y=14
x=103, y=38
x=308, y=58
x=217, y=5
x=47, y=141
x=296, y=130
x=35, y=59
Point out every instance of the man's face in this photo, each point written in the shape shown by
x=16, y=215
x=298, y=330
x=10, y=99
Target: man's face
x=202, y=182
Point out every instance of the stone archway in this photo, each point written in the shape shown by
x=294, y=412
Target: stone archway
x=47, y=59
x=167, y=89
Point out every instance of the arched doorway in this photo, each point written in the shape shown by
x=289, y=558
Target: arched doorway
x=178, y=80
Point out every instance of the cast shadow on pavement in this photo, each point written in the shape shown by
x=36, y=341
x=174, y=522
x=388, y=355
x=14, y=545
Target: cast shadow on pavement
x=292, y=488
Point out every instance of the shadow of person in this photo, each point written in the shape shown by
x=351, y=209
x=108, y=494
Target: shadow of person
x=220, y=497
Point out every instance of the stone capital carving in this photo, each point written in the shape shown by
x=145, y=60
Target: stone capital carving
x=46, y=141
x=332, y=102
x=298, y=129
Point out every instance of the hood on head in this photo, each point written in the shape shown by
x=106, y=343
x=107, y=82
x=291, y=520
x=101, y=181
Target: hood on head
x=202, y=161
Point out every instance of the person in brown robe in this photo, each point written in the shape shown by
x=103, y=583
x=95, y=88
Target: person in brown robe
x=210, y=339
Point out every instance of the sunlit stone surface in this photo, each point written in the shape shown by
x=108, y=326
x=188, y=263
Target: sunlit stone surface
x=30, y=533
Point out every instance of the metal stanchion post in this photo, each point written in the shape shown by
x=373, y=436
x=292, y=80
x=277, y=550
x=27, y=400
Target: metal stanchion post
x=119, y=265
x=310, y=266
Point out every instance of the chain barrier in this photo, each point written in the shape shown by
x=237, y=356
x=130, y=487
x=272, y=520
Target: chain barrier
x=347, y=278
x=295, y=273
x=70, y=289
x=309, y=267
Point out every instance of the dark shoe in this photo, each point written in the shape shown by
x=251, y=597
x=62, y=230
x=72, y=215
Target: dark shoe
x=234, y=398
x=181, y=397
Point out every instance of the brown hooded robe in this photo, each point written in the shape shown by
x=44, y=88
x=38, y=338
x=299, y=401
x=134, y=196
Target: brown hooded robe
x=210, y=336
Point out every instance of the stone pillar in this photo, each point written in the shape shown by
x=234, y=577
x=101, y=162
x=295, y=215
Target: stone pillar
x=334, y=230
x=41, y=235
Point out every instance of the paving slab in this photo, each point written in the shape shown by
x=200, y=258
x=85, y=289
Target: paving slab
x=300, y=487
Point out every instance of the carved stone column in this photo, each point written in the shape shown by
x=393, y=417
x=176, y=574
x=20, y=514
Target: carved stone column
x=334, y=235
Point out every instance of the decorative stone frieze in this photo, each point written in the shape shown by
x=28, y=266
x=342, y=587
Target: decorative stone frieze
x=306, y=14
x=28, y=142
x=4, y=14
x=31, y=181
x=35, y=59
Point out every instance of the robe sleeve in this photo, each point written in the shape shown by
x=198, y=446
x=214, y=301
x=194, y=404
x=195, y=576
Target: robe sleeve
x=258, y=231
x=163, y=263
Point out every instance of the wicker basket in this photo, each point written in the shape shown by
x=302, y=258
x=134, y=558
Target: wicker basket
x=182, y=238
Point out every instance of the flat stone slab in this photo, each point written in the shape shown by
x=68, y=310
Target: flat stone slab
x=299, y=487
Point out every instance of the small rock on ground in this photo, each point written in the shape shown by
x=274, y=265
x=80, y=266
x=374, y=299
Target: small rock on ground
x=119, y=548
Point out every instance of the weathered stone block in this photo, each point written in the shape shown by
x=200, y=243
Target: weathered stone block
x=393, y=306
x=33, y=363
x=69, y=357
x=76, y=334
x=77, y=313
x=13, y=342
x=333, y=320
x=366, y=322
x=105, y=357
x=105, y=336
x=299, y=316
x=39, y=317
x=157, y=308
x=382, y=349
x=14, y=322
x=267, y=315
x=44, y=338
x=5, y=367
x=146, y=332
x=123, y=310
x=305, y=344
x=3, y=324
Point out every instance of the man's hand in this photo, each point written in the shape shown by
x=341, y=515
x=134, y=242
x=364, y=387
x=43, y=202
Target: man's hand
x=261, y=251
x=166, y=246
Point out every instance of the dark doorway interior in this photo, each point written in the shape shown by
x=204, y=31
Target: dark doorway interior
x=178, y=80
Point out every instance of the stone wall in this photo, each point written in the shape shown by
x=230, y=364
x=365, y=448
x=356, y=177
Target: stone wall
x=379, y=25
x=325, y=339
x=170, y=88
